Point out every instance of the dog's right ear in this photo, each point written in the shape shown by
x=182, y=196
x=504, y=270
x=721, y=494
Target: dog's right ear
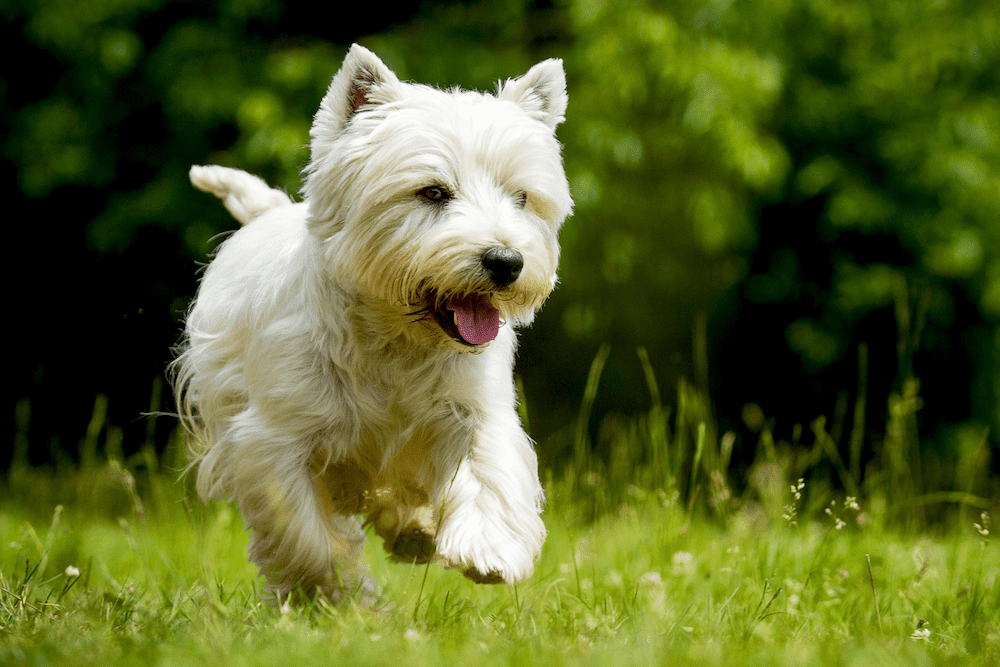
x=362, y=80
x=541, y=92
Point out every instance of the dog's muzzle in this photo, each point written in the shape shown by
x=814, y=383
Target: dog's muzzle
x=472, y=318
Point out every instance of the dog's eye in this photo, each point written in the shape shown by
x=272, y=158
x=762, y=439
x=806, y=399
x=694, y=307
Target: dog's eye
x=521, y=199
x=436, y=194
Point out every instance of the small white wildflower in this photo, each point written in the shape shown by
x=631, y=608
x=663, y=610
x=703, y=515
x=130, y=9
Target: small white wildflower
x=411, y=634
x=651, y=579
x=921, y=634
x=286, y=609
x=682, y=563
x=789, y=515
x=72, y=571
x=983, y=528
x=791, y=511
x=850, y=503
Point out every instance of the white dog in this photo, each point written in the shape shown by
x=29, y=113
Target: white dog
x=351, y=354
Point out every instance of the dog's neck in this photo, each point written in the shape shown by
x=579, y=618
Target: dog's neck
x=376, y=331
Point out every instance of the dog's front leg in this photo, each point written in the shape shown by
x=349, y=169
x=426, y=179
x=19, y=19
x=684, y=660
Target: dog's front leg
x=489, y=523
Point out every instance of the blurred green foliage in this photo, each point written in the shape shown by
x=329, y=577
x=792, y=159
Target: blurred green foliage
x=703, y=129
x=705, y=140
x=887, y=110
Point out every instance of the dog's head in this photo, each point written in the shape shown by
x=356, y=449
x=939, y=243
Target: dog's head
x=443, y=205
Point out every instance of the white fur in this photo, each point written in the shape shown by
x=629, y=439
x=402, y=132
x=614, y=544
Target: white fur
x=316, y=382
x=244, y=195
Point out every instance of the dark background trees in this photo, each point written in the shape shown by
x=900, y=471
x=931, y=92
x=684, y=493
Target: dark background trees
x=813, y=185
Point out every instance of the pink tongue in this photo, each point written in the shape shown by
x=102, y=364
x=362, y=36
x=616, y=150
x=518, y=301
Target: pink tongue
x=477, y=320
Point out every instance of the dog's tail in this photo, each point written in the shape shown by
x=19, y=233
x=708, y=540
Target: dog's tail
x=244, y=195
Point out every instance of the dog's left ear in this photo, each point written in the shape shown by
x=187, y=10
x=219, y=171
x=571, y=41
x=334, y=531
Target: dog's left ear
x=541, y=92
x=362, y=80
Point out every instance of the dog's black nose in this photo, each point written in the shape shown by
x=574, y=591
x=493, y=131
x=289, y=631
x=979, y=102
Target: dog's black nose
x=503, y=265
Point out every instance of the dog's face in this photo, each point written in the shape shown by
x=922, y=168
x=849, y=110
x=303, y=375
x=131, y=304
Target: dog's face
x=444, y=207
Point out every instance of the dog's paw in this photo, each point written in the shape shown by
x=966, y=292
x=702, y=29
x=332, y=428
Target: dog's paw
x=491, y=577
x=413, y=545
x=489, y=549
x=509, y=566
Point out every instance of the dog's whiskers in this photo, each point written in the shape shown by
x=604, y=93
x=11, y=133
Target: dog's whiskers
x=418, y=315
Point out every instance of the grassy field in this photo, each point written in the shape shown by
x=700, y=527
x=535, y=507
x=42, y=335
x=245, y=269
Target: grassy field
x=119, y=575
x=652, y=558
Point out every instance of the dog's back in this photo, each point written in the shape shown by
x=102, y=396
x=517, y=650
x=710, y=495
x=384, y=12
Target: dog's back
x=244, y=195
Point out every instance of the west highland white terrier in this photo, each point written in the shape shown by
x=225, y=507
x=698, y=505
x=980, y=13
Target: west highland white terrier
x=351, y=354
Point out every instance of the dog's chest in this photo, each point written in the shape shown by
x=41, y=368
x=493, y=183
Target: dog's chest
x=395, y=395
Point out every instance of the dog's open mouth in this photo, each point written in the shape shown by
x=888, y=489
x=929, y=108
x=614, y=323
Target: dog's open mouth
x=471, y=319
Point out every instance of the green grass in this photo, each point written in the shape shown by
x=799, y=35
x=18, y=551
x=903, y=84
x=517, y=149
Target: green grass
x=658, y=553
x=163, y=580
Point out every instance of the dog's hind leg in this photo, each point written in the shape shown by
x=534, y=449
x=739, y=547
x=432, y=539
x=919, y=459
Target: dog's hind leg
x=296, y=542
x=244, y=195
x=407, y=531
x=299, y=539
